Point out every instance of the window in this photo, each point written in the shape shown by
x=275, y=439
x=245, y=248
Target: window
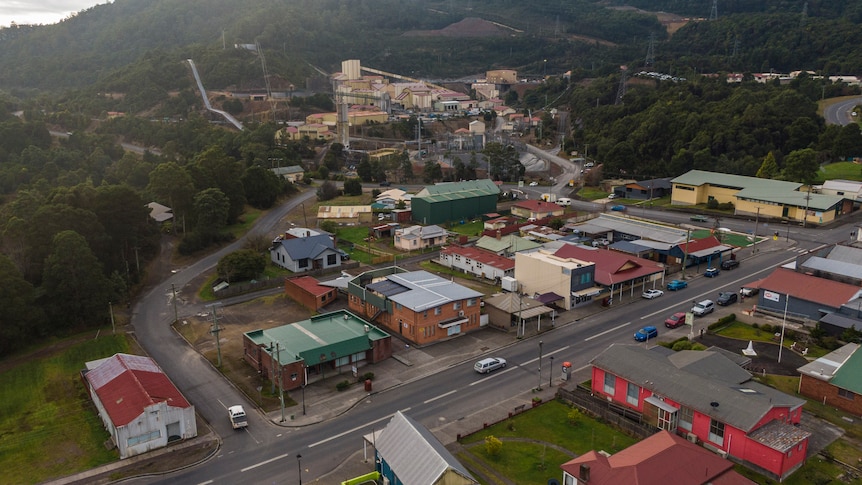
x=302, y=263
x=457, y=305
x=716, y=432
x=610, y=379
x=397, y=306
x=686, y=415
x=143, y=438
x=438, y=310
x=632, y=394
x=471, y=302
x=586, y=278
x=330, y=259
x=293, y=376
x=667, y=420
x=846, y=394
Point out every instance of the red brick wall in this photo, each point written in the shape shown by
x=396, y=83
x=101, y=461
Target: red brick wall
x=817, y=390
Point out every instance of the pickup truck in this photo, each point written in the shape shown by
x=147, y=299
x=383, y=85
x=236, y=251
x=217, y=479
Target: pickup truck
x=237, y=417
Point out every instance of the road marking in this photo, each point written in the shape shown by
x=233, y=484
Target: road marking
x=339, y=435
x=607, y=331
x=205, y=483
x=544, y=355
x=279, y=457
x=441, y=396
x=488, y=377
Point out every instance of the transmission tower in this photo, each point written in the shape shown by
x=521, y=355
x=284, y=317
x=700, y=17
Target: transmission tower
x=804, y=15
x=735, y=47
x=713, y=12
x=621, y=90
x=650, y=53
x=266, y=80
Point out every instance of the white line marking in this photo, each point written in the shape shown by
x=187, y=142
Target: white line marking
x=607, y=331
x=355, y=429
x=279, y=457
x=441, y=396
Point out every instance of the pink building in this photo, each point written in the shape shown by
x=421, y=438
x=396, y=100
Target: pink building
x=709, y=399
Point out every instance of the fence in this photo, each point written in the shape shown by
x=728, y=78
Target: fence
x=257, y=285
x=625, y=419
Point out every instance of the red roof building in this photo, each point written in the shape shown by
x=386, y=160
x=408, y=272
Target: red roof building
x=140, y=406
x=479, y=262
x=536, y=209
x=660, y=459
x=614, y=268
x=808, y=294
x=308, y=292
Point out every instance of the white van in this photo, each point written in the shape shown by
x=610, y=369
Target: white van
x=237, y=417
x=564, y=201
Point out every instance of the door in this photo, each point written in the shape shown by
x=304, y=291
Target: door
x=174, y=432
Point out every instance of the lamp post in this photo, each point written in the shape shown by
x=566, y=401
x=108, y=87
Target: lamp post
x=544, y=68
x=551, y=373
x=299, y=466
x=539, y=388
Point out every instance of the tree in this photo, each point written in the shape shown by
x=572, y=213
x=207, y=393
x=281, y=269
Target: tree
x=769, y=167
x=327, y=191
x=262, y=187
x=504, y=162
x=20, y=318
x=352, y=186
x=801, y=166
x=241, y=265
x=432, y=172
x=493, y=445
x=211, y=209
x=364, y=169
x=77, y=292
x=848, y=142
x=172, y=185
x=406, y=167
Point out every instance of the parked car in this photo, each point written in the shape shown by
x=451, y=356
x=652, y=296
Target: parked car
x=489, y=364
x=646, y=333
x=702, y=308
x=385, y=183
x=726, y=298
x=676, y=285
x=675, y=320
x=612, y=196
x=618, y=208
x=653, y=293
x=729, y=264
x=699, y=218
x=746, y=292
x=711, y=272
x=534, y=183
x=600, y=242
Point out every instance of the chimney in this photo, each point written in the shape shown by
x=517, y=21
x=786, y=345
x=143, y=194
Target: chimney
x=499, y=234
x=584, y=473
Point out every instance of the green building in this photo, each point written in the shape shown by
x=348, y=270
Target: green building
x=454, y=201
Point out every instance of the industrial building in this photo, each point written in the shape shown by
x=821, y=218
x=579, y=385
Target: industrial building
x=454, y=201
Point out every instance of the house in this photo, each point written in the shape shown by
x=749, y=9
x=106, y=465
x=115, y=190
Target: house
x=420, y=307
x=850, y=189
x=803, y=295
x=139, y=405
x=306, y=253
x=419, y=237
x=539, y=273
x=663, y=458
x=754, y=196
x=159, y=212
x=506, y=245
x=307, y=351
x=407, y=453
x=645, y=189
x=392, y=197
x=537, y=209
x=617, y=271
x=707, y=251
x=834, y=379
x=309, y=293
x=510, y=311
x=709, y=399
x=292, y=173
x=453, y=201
x=345, y=214
x=477, y=261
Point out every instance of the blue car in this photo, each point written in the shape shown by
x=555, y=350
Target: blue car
x=712, y=272
x=676, y=285
x=646, y=333
x=618, y=208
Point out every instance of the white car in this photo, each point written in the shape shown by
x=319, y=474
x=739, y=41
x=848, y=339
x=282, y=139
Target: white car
x=533, y=184
x=485, y=366
x=650, y=294
x=612, y=196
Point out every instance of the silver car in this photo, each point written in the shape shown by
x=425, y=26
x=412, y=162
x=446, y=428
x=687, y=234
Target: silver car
x=485, y=366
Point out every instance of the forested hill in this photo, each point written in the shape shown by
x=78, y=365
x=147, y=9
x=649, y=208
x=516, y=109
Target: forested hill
x=104, y=46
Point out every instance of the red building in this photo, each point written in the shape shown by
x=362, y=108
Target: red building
x=309, y=293
x=709, y=399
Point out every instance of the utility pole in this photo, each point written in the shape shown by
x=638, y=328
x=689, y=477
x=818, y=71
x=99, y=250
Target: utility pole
x=807, y=201
x=174, y=290
x=685, y=252
x=280, y=383
x=215, y=331
x=111, y=310
x=756, y=220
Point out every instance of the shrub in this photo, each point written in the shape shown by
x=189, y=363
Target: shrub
x=767, y=328
x=368, y=376
x=712, y=204
x=698, y=346
x=574, y=417
x=681, y=345
x=343, y=385
x=493, y=446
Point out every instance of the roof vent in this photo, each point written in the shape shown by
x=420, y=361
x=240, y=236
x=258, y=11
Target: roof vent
x=714, y=404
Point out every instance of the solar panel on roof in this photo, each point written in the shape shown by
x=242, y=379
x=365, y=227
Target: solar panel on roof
x=387, y=288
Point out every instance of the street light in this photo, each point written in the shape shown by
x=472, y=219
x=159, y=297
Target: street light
x=299, y=466
x=539, y=388
x=551, y=373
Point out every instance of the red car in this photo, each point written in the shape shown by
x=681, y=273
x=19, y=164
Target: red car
x=675, y=320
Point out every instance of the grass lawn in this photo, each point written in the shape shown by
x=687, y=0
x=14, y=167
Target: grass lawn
x=246, y=220
x=840, y=170
x=354, y=234
x=592, y=193
x=48, y=425
x=472, y=228
x=364, y=199
x=534, y=462
x=744, y=331
x=733, y=239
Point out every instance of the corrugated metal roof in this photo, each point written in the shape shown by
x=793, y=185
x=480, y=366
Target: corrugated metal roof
x=809, y=288
x=415, y=454
x=127, y=384
x=833, y=266
x=428, y=290
x=701, y=177
x=794, y=198
x=847, y=376
x=509, y=242
x=845, y=254
x=307, y=247
x=478, y=187
x=826, y=367
x=696, y=379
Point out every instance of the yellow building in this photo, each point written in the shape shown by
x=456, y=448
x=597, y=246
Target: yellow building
x=752, y=196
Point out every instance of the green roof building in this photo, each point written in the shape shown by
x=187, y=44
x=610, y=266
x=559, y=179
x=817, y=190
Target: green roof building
x=306, y=351
x=454, y=201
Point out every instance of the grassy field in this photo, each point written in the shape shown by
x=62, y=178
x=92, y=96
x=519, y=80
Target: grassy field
x=840, y=170
x=530, y=460
x=470, y=228
x=592, y=193
x=48, y=425
x=744, y=331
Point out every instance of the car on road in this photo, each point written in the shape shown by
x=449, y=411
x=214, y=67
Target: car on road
x=534, y=183
x=618, y=208
x=711, y=272
x=489, y=364
x=699, y=218
x=646, y=333
x=675, y=320
x=676, y=285
x=385, y=183
x=729, y=264
x=704, y=307
x=653, y=293
x=237, y=417
x=726, y=298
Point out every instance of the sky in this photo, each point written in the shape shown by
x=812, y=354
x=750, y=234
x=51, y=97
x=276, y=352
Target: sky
x=41, y=11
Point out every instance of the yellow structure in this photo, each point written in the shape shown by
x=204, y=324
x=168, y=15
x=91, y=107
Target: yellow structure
x=345, y=213
x=541, y=272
